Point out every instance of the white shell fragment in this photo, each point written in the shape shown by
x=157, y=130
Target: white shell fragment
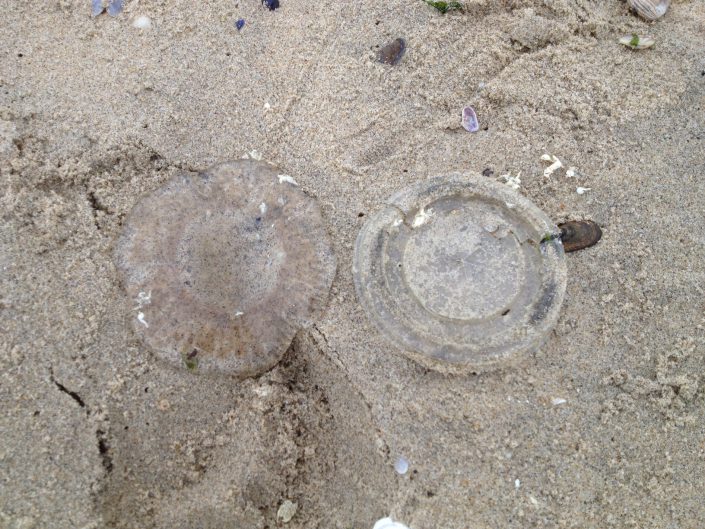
x=557, y=401
x=401, y=465
x=512, y=181
x=286, y=511
x=649, y=9
x=288, y=179
x=636, y=42
x=142, y=22
x=571, y=172
x=388, y=523
x=555, y=165
x=582, y=190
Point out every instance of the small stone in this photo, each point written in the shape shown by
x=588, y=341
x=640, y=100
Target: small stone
x=240, y=24
x=286, y=511
x=392, y=52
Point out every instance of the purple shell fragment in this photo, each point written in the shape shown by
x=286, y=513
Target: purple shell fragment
x=271, y=4
x=240, y=24
x=470, y=120
x=96, y=7
x=114, y=7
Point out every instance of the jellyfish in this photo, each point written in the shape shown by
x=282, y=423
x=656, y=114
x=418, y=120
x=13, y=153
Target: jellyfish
x=224, y=267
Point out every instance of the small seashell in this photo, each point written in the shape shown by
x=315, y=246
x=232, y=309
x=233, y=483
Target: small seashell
x=286, y=511
x=388, y=523
x=470, y=120
x=636, y=42
x=392, y=52
x=142, y=22
x=96, y=7
x=401, y=465
x=579, y=234
x=649, y=9
x=114, y=7
x=271, y=4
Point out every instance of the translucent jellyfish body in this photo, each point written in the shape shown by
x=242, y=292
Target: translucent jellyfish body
x=224, y=267
x=461, y=273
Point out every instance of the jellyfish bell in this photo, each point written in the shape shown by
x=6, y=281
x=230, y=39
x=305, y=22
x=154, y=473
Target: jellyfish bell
x=224, y=267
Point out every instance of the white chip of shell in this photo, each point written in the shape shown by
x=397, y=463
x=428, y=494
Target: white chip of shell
x=557, y=401
x=512, y=181
x=286, y=511
x=388, y=523
x=142, y=22
x=555, y=164
x=255, y=154
x=582, y=190
x=144, y=298
x=286, y=178
x=140, y=318
x=517, y=483
x=401, y=465
x=421, y=218
x=263, y=208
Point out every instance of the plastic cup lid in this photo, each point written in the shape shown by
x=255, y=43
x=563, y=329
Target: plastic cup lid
x=461, y=273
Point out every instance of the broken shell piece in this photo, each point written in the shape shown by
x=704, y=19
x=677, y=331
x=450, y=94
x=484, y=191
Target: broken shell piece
x=579, y=234
x=388, y=523
x=392, y=52
x=649, y=9
x=142, y=22
x=401, y=465
x=555, y=165
x=229, y=282
x=469, y=120
x=636, y=42
x=286, y=511
x=96, y=7
x=512, y=181
x=582, y=190
x=114, y=8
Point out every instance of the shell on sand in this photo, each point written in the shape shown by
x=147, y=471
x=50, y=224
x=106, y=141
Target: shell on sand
x=224, y=267
x=579, y=234
x=649, y=9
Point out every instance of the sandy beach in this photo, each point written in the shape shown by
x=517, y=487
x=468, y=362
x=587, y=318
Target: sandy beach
x=603, y=427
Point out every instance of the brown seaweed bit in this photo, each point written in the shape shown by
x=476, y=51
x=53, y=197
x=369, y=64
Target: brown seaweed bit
x=392, y=52
x=230, y=263
x=579, y=234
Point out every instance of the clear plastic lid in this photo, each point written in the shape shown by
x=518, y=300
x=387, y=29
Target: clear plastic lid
x=461, y=273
